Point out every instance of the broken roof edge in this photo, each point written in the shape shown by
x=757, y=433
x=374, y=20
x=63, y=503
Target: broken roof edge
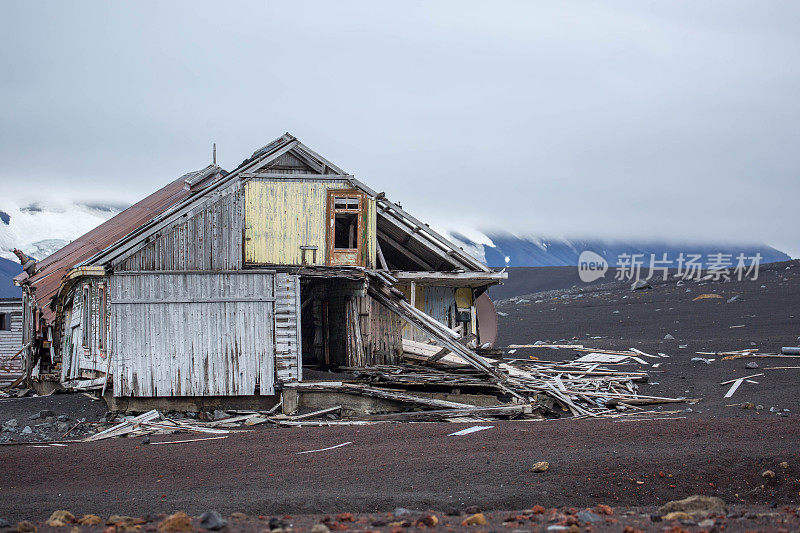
x=446, y=245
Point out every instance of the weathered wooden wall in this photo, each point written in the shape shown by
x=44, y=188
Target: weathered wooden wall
x=384, y=334
x=438, y=302
x=203, y=334
x=281, y=215
x=209, y=237
x=76, y=359
x=11, y=342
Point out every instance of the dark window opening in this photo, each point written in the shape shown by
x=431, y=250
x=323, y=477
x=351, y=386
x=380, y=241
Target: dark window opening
x=5, y=322
x=346, y=230
x=87, y=316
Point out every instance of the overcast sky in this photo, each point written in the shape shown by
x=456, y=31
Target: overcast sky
x=614, y=119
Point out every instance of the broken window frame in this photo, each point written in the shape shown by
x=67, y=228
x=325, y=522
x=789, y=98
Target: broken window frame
x=350, y=202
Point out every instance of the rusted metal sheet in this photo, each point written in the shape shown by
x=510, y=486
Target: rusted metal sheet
x=487, y=319
x=51, y=269
x=201, y=334
x=283, y=215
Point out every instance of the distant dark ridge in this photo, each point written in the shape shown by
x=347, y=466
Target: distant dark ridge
x=523, y=252
x=524, y=281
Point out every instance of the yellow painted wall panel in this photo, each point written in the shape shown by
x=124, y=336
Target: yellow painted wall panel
x=283, y=215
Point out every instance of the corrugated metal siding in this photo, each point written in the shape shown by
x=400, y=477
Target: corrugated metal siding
x=208, y=238
x=173, y=336
x=11, y=343
x=283, y=215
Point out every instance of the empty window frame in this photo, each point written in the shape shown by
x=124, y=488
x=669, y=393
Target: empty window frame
x=5, y=321
x=103, y=325
x=86, y=316
x=345, y=228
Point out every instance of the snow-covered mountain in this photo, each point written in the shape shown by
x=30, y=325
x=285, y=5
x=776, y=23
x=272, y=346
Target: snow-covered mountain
x=40, y=228
x=499, y=249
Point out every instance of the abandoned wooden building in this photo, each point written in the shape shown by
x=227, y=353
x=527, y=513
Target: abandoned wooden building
x=231, y=283
x=10, y=340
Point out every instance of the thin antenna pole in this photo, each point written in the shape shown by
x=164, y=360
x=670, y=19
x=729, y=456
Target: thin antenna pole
x=215, y=153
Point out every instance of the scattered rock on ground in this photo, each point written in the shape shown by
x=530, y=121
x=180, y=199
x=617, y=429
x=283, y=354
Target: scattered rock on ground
x=669, y=337
x=640, y=284
x=60, y=518
x=541, y=466
x=784, y=465
x=176, y=523
x=212, y=520
x=751, y=364
x=320, y=528
x=697, y=505
x=220, y=415
x=27, y=430
x=677, y=515
x=605, y=509
x=90, y=520
x=588, y=517
x=768, y=474
x=26, y=527
x=475, y=520
x=708, y=523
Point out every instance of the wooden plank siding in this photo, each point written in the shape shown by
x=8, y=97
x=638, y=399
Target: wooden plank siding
x=11, y=342
x=436, y=301
x=203, y=334
x=281, y=215
x=209, y=237
x=77, y=358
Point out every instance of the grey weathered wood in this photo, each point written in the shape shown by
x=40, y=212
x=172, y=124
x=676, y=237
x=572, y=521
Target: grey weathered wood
x=203, y=334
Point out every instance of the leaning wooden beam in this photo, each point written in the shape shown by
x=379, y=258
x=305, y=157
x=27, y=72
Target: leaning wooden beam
x=439, y=332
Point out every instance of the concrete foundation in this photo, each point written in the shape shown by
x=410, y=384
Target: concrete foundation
x=295, y=401
x=191, y=404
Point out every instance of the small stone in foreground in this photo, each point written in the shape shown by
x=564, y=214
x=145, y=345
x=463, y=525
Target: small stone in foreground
x=677, y=515
x=784, y=465
x=212, y=520
x=90, y=520
x=26, y=527
x=541, y=466
x=768, y=474
x=60, y=518
x=475, y=520
x=588, y=517
x=320, y=528
x=176, y=523
x=697, y=505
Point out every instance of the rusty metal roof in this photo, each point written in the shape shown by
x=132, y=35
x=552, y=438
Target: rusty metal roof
x=52, y=269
